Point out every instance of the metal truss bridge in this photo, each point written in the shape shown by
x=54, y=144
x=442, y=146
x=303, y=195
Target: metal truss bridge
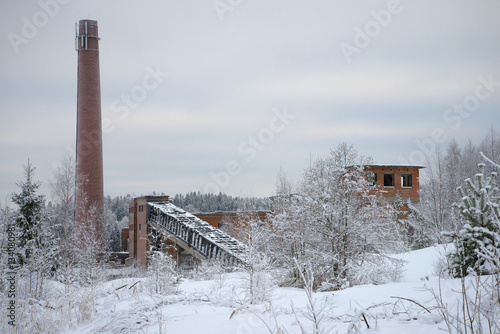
x=194, y=235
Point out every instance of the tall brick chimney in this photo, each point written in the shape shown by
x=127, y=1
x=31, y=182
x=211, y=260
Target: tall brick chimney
x=89, y=204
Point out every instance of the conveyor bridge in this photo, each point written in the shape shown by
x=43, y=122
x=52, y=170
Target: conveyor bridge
x=194, y=235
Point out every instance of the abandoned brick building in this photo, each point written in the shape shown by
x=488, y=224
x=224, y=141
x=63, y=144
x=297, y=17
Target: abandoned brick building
x=215, y=235
x=185, y=236
x=396, y=181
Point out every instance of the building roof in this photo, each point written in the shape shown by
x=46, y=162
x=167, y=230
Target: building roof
x=395, y=165
x=387, y=165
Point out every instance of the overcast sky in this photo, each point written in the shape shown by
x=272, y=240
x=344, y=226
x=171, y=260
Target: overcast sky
x=218, y=95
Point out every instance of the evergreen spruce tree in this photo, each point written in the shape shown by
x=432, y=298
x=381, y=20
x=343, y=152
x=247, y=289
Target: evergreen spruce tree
x=37, y=249
x=480, y=234
x=30, y=215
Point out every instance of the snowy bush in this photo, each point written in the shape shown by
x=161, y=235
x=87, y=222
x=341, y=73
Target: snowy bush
x=257, y=281
x=161, y=275
x=472, y=308
x=377, y=269
x=210, y=270
x=89, y=261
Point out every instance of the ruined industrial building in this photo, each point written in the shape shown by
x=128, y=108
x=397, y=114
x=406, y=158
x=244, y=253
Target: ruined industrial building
x=214, y=236
x=154, y=222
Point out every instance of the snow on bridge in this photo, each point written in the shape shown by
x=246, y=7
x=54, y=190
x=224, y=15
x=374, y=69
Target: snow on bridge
x=194, y=235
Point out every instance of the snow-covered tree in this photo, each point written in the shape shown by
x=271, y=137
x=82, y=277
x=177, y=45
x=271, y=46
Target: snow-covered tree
x=119, y=206
x=30, y=214
x=113, y=241
x=113, y=236
x=434, y=214
x=63, y=214
x=37, y=250
x=198, y=202
x=87, y=252
x=162, y=278
x=444, y=173
x=289, y=231
x=344, y=230
x=479, y=208
x=490, y=146
x=257, y=283
x=63, y=194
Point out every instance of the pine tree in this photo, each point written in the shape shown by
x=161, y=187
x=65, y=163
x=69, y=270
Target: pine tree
x=30, y=215
x=481, y=232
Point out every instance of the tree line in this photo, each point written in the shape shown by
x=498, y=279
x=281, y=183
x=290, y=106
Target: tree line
x=446, y=170
x=198, y=202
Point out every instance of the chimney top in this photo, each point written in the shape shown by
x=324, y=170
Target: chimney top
x=86, y=35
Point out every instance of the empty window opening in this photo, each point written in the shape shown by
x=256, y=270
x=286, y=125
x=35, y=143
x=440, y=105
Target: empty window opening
x=371, y=178
x=388, y=180
x=406, y=180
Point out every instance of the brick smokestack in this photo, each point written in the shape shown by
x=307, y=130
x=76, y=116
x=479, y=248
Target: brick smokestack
x=89, y=204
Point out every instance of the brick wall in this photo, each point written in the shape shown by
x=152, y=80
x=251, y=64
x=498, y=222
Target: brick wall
x=412, y=193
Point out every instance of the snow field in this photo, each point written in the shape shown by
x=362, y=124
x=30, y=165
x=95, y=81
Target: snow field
x=218, y=306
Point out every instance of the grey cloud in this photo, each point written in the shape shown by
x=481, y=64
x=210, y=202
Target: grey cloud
x=225, y=78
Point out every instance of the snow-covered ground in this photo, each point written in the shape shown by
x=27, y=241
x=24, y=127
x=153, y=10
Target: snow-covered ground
x=217, y=306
